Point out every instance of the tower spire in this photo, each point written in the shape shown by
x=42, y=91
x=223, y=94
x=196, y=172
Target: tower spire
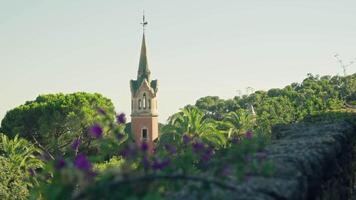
x=143, y=70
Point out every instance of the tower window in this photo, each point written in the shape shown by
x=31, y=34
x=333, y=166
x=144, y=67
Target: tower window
x=139, y=104
x=149, y=103
x=144, y=134
x=144, y=101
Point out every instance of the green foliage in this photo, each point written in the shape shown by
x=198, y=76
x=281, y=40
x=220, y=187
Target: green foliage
x=114, y=162
x=63, y=177
x=193, y=122
x=20, y=152
x=53, y=121
x=238, y=123
x=288, y=105
x=214, y=106
x=12, y=182
x=204, y=152
x=188, y=163
x=348, y=115
x=18, y=165
x=193, y=168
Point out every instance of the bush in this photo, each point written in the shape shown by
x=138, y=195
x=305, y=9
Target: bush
x=171, y=170
x=13, y=185
x=18, y=165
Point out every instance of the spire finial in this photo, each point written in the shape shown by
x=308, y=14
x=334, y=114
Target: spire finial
x=144, y=22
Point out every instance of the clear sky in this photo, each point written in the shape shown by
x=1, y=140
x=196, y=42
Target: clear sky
x=195, y=47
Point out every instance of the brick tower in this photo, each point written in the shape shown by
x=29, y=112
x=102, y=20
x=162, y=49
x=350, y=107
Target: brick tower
x=144, y=115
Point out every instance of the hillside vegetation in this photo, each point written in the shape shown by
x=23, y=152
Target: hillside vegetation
x=287, y=105
x=71, y=147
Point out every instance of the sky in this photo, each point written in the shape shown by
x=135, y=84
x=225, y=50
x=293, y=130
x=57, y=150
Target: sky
x=195, y=48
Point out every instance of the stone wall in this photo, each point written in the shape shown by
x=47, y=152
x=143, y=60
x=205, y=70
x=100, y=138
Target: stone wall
x=313, y=160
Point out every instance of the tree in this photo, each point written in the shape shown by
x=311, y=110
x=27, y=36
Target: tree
x=238, y=123
x=290, y=104
x=20, y=153
x=192, y=121
x=18, y=163
x=211, y=106
x=53, y=121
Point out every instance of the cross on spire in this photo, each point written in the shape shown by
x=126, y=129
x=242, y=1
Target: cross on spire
x=144, y=22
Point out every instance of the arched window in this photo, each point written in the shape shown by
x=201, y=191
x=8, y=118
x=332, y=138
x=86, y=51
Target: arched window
x=149, y=103
x=144, y=101
x=139, y=104
x=144, y=134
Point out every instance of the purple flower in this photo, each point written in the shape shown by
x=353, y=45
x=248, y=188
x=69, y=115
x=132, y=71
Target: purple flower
x=145, y=162
x=75, y=144
x=198, y=146
x=92, y=174
x=209, y=150
x=121, y=118
x=125, y=153
x=144, y=146
x=207, y=154
x=186, y=139
x=101, y=111
x=205, y=158
x=96, y=131
x=31, y=172
x=81, y=162
x=170, y=148
x=129, y=151
x=159, y=165
x=249, y=135
x=60, y=164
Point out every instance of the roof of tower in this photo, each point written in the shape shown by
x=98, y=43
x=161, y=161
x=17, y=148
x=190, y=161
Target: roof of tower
x=136, y=84
x=143, y=70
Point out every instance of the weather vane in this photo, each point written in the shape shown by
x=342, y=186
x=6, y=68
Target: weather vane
x=144, y=22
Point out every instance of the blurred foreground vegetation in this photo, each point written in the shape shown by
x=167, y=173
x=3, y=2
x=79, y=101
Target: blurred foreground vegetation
x=74, y=146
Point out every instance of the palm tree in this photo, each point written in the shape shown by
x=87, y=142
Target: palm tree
x=20, y=152
x=238, y=123
x=192, y=121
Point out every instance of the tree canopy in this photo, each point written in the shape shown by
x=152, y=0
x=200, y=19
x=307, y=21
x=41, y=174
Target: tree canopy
x=290, y=104
x=53, y=121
